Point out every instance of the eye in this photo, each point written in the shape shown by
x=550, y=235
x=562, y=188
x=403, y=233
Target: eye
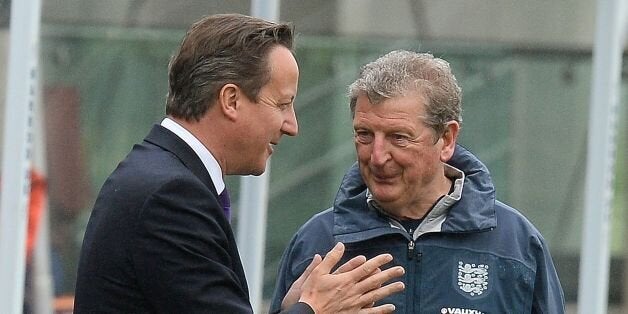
x=284, y=106
x=400, y=139
x=363, y=137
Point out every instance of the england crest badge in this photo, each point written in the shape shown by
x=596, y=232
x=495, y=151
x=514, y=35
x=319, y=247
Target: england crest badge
x=473, y=278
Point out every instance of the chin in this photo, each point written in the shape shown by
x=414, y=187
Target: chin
x=259, y=169
x=383, y=195
x=385, y=200
x=251, y=170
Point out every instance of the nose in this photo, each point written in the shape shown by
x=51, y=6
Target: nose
x=380, y=153
x=290, y=125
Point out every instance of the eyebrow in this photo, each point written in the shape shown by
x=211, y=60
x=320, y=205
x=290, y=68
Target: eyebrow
x=388, y=129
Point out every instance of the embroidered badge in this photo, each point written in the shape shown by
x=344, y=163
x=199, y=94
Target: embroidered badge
x=472, y=278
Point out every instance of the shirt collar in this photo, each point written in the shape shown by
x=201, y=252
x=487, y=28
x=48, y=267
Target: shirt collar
x=210, y=163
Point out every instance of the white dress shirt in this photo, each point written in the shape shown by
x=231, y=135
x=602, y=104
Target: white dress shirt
x=210, y=163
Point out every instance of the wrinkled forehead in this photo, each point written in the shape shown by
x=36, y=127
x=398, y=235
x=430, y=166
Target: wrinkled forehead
x=408, y=105
x=411, y=96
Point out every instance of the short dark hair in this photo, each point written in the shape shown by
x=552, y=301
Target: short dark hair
x=217, y=50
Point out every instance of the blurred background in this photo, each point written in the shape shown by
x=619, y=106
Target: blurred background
x=525, y=68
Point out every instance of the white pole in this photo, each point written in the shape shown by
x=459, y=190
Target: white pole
x=266, y=9
x=607, y=59
x=21, y=94
x=41, y=279
x=252, y=233
x=43, y=294
x=254, y=200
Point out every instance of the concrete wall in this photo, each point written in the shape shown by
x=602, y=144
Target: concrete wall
x=538, y=22
x=557, y=22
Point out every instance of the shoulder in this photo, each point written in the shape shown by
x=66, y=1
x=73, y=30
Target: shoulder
x=317, y=233
x=314, y=237
x=147, y=167
x=323, y=219
x=150, y=180
x=511, y=218
x=511, y=223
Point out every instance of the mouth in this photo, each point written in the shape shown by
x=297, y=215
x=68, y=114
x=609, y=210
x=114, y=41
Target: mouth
x=382, y=178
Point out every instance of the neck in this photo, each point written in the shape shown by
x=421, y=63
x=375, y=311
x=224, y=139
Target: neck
x=209, y=134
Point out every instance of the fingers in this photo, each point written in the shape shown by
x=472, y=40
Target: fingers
x=379, y=278
x=294, y=293
x=382, y=309
x=373, y=287
x=331, y=258
x=315, y=262
x=370, y=266
x=355, y=286
x=351, y=264
x=381, y=293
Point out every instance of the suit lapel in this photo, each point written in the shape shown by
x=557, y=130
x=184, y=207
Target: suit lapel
x=169, y=141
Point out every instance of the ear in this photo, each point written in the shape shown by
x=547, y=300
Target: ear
x=228, y=100
x=448, y=139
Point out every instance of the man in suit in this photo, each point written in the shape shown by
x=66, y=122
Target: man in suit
x=159, y=238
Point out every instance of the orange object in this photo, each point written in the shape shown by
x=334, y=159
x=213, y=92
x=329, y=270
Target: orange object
x=64, y=304
x=35, y=210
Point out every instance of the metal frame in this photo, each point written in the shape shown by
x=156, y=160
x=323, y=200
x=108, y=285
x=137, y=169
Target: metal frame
x=607, y=59
x=22, y=92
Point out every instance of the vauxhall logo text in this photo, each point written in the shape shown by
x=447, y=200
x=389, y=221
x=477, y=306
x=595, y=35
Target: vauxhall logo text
x=455, y=310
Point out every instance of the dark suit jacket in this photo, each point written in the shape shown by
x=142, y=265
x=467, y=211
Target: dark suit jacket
x=157, y=240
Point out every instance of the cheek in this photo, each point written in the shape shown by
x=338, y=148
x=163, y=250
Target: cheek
x=415, y=164
x=363, y=153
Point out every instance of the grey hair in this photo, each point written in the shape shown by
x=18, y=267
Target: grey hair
x=400, y=71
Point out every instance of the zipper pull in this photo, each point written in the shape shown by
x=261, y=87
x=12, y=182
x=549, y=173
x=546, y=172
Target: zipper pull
x=411, y=249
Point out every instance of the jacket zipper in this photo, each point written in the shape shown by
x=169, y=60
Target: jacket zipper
x=414, y=258
x=411, y=250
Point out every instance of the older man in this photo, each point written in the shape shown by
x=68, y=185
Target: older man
x=430, y=203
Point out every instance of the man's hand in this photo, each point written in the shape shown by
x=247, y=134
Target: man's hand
x=294, y=293
x=353, y=288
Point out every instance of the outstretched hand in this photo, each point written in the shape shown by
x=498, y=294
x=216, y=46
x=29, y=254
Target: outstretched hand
x=353, y=288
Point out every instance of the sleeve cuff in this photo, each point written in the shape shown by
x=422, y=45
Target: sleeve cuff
x=299, y=308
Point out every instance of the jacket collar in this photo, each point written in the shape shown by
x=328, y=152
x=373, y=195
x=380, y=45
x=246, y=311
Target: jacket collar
x=474, y=212
x=169, y=141
x=476, y=209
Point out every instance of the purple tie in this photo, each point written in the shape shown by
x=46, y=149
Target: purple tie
x=225, y=201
